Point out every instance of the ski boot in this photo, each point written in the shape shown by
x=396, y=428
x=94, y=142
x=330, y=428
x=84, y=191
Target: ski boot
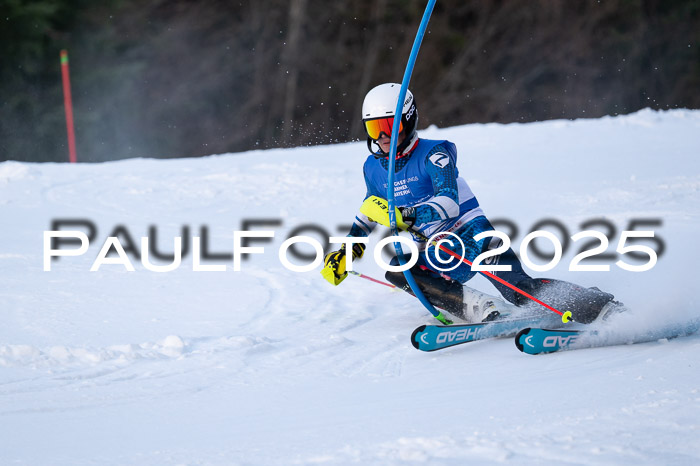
x=463, y=302
x=481, y=307
x=611, y=309
x=586, y=304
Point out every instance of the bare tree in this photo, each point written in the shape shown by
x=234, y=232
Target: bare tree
x=290, y=65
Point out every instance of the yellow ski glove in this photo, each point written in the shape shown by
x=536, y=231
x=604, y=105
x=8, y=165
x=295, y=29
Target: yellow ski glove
x=377, y=209
x=334, y=270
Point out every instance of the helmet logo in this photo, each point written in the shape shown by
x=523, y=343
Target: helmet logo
x=410, y=112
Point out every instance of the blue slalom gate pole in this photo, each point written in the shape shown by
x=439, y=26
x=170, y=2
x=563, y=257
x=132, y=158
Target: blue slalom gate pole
x=392, y=160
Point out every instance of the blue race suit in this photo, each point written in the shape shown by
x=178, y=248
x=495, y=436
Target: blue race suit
x=427, y=179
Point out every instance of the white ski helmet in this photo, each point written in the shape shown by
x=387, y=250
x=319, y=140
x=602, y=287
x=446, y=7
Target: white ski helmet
x=378, y=111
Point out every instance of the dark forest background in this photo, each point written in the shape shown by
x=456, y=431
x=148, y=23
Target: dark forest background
x=157, y=78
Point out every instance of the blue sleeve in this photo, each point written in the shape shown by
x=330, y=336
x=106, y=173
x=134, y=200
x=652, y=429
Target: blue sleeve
x=367, y=183
x=441, y=167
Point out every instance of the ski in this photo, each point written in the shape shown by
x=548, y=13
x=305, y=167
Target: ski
x=436, y=337
x=534, y=340
x=542, y=340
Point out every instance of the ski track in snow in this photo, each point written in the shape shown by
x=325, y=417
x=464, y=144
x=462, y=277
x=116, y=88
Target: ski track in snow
x=267, y=366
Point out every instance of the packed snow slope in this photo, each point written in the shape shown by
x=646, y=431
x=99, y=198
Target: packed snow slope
x=270, y=366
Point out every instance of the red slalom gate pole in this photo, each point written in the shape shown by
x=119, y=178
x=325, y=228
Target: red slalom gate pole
x=68, y=103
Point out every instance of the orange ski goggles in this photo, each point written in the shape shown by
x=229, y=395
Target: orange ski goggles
x=378, y=126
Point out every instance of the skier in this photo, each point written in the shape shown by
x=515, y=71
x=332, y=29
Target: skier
x=431, y=197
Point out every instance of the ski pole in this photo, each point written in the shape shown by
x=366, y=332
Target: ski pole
x=446, y=321
x=565, y=316
x=367, y=277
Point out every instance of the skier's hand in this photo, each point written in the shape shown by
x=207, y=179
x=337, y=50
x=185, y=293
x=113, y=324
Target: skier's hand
x=408, y=216
x=377, y=209
x=334, y=270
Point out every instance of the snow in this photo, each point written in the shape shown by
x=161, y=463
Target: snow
x=270, y=366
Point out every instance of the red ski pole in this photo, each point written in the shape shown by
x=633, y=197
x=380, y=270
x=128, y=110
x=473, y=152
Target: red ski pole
x=367, y=277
